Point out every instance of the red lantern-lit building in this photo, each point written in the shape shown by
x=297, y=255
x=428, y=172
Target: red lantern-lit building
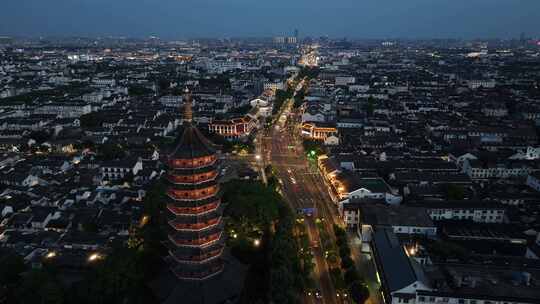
x=195, y=224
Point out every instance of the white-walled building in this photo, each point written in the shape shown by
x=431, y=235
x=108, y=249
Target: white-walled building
x=486, y=212
x=400, y=276
x=65, y=109
x=350, y=186
x=273, y=85
x=171, y=100
x=533, y=181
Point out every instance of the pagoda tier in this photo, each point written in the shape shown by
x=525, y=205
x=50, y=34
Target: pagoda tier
x=175, y=229
x=201, y=206
x=191, y=223
x=192, y=165
x=179, y=196
x=195, y=272
x=196, y=239
x=185, y=163
x=193, y=192
x=185, y=219
x=195, y=186
x=191, y=178
x=195, y=254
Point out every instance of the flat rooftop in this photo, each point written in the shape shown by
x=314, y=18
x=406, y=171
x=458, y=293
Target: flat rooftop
x=490, y=283
x=390, y=215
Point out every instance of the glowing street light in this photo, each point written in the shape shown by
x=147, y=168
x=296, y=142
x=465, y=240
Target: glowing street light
x=50, y=255
x=256, y=242
x=94, y=257
x=258, y=157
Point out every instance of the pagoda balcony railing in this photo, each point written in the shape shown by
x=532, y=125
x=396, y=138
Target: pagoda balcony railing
x=195, y=226
x=202, y=242
x=199, y=276
x=192, y=195
x=198, y=259
x=193, y=210
x=188, y=180
x=190, y=164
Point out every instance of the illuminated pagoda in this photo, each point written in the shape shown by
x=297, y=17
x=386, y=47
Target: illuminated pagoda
x=195, y=225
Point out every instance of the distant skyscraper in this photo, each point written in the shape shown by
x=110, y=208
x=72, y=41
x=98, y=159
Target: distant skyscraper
x=5, y=40
x=279, y=40
x=296, y=34
x=522, y=38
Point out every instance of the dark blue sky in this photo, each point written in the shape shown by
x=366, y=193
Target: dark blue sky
x=226, y=18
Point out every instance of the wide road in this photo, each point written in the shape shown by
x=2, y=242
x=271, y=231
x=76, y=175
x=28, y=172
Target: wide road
x=303, y=188
x=283, y=150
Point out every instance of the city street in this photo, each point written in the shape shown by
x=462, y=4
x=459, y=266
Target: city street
x=304, y=189
x=281, y=149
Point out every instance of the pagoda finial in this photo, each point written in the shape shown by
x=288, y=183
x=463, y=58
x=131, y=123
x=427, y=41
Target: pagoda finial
x=188, y=111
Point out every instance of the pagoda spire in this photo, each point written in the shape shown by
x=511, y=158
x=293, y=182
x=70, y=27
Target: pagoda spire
x=188, y=106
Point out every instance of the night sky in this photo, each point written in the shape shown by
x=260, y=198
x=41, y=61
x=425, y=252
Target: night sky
x=240, y=18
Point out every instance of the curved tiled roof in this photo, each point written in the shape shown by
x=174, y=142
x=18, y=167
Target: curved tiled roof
x=192, y=144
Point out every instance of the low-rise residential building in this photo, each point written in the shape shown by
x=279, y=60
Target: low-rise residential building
x=467, y=210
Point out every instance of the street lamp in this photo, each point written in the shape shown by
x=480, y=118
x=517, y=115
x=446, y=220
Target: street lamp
x=258, y=157
x=94, y=257
x=256, y=242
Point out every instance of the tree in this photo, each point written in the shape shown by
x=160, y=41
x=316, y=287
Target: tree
x=351, y=275
x=339, y=232
x=359, y=291
x=111, y=151
x=39, y=286
x=299, y=99
x=344, y=250
x=163, y=84
x=313, y=147
x=309, y=72
x=39, y=136
x=280, y=97
x=337, y=278
x=243, y=110
x=281, y=281
x=455, y=192
x=370, y=106
x=90, y=226
x=11, y=267
x=135, y=90
x=251, y=200
x=91, y=120
x=346, y=262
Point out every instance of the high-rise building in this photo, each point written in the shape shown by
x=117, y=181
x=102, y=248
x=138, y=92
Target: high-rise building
x=279, y=40
x=194, y=206
x=291, y=40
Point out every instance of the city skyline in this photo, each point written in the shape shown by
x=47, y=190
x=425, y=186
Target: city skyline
x=241, y=152
x=417, y=19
